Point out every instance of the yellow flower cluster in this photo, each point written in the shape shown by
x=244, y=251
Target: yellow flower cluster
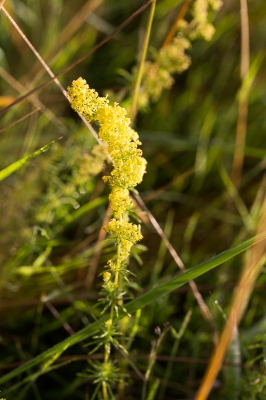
x=200, y=26
x=158, y=74
x=129, y=165
x=122, y=141
x=64, y=190
x=120, y=201
x=90, y=164
x=127, y=234
x=84, y=100
x=172, y=59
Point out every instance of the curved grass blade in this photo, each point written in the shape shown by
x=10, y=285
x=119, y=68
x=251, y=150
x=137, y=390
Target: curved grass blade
x=138, y=303
x=84, y=209
x=23, y=161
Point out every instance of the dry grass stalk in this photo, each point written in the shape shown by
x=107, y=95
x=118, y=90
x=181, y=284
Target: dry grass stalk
x=173, y=29
x=254, y=261
x=241, y=129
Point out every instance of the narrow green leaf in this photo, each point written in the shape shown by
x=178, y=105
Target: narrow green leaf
x=138, y=303
x=20, y=163
x=86, y=208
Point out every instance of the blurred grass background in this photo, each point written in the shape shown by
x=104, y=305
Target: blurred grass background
x=49, y=237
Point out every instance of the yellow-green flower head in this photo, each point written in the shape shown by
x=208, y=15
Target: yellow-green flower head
x=129, y=165
x=114, y=266
x=84, y=100
x=120, y=201
x=100, y=151
x=156, y=79
x=108, y=286
x=125, y=247
x=107, y=276
x=216, y=4
x=109, y=323
x=199, y=25
x=169, y=60
x=127, y=234
x=200, y=11
x=122, y=140
x=207, y=32
x=114, y=124
x=124, y=230
x=172, y=58
x=89, y=165
x=127, y=172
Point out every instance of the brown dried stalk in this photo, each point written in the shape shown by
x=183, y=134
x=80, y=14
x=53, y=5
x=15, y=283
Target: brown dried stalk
x=243, y=291
x=241, y=129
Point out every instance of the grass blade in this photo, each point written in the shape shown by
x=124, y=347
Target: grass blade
x=23, y=161
x=138, y=303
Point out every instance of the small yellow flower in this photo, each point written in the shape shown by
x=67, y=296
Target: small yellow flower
x=109, y=323
x=107, y=276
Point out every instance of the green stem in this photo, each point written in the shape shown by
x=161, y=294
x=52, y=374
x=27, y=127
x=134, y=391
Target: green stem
x=116, y=282
x=133, y=110
x=122, y=366
x=105, y=395
x=106, y=347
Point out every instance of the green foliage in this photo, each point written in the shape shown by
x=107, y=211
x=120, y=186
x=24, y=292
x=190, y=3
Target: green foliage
x=54, y=315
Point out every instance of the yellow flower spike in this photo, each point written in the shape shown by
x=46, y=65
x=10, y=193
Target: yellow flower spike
x=122, y=140
x=84, y=100
x=128, y=169
x=129, y=165
x=172, y=57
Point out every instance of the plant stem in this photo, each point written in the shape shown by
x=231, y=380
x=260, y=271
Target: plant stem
x=122, y=366
x=105, y=396
x=107, y=347
x=241, y=130
x=133, y=110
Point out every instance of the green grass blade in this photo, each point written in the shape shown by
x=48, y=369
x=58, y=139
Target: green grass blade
x=23, y=161
x=85, y=208
x=138, y=303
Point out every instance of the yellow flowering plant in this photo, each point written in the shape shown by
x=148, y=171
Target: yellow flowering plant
x=128, y=169
x=171, y=58
x=45, y=272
